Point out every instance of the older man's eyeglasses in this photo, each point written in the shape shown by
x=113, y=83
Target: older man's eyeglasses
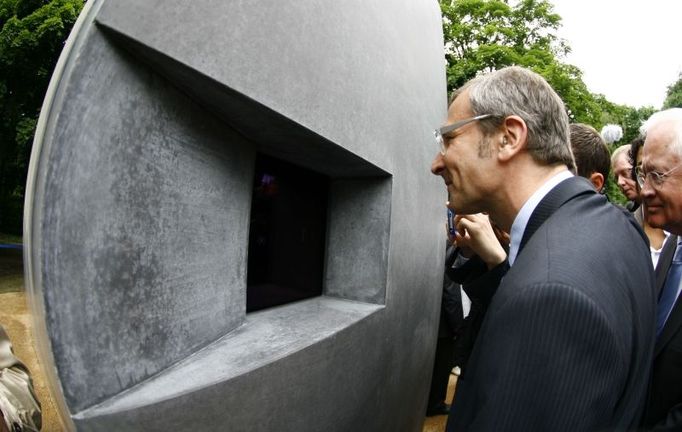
x=438, y=133
x=655, y=178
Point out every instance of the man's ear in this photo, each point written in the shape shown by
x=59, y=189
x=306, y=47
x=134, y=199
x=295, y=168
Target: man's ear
x=514, y=137
x=597, y=180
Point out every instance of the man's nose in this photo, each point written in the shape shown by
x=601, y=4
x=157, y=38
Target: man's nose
x=647, y=191
x=437, y=165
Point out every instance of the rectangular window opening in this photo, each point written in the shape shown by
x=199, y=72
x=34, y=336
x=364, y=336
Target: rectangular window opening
x=286, y=235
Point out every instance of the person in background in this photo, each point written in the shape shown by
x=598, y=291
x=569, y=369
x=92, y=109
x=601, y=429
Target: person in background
x=485, y=243
x=657, y=236
x=660, y=177
x=19, y=407
x=450, y=323
x=591, y=155
x=622, y=169
x=565, y=343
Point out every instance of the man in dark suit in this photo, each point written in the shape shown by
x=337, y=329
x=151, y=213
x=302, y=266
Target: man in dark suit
x=567, y=336
x=660, y=178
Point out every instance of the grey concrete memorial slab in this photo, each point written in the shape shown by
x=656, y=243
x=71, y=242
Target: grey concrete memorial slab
x=138, y=213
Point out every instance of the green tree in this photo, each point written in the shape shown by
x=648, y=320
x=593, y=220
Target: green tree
x=32, y=35
x=674, y=96
x=486, y=35
x=567, y=81
x=633, y=119
x=627, y=117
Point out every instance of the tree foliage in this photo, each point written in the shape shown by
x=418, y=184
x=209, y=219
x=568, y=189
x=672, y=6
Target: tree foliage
x=486, y=35
x=32, y=35
x=629, y=118
x=673, y=97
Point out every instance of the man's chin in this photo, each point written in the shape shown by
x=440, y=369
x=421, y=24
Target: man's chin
x=460, y=204
x=656, y=220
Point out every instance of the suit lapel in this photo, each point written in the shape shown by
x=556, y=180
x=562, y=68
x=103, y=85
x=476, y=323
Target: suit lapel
x=563, y=192
x=671, y=326
x=675, y=319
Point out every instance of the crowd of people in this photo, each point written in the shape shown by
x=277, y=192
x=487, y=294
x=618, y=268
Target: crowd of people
x=574, y=323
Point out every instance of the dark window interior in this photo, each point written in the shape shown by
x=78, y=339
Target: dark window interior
x=286, y=234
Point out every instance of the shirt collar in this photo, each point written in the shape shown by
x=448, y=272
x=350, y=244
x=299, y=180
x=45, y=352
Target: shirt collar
x=521, y=219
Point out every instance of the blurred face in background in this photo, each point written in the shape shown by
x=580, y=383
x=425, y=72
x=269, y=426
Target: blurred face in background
x=622, y=170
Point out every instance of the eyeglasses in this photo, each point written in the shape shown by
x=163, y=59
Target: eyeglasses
x=438, y=133
x=655, y=178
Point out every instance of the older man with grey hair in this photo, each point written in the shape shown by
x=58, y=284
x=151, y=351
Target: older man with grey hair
x=622, y=172
x=660, y=178
x=566, y=340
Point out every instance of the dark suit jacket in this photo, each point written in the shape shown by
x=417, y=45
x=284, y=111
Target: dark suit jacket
x=567, y=340
x=664, y=404
x=479, y=284
x=451, y=310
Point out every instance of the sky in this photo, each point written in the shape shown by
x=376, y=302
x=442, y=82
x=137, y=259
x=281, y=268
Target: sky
x=628, y=50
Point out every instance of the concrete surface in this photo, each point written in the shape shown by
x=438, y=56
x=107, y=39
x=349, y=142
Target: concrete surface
x=138, y=205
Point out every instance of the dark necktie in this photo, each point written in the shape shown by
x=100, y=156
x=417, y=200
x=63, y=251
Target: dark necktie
x=669, y=294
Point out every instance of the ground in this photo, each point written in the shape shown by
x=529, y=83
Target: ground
x=437, y=423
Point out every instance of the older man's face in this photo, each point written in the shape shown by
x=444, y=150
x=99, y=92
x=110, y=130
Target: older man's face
x=663, y=201
x=622, y=171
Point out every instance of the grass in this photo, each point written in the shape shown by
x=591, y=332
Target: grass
x=11, y=239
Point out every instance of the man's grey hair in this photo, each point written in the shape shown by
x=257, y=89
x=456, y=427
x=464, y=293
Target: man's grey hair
x=672, y=115
x=518, y=91
x=620, y=151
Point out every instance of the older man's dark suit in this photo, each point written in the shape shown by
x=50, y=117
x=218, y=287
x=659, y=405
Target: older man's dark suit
x=664, y=405
x=567, y=339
